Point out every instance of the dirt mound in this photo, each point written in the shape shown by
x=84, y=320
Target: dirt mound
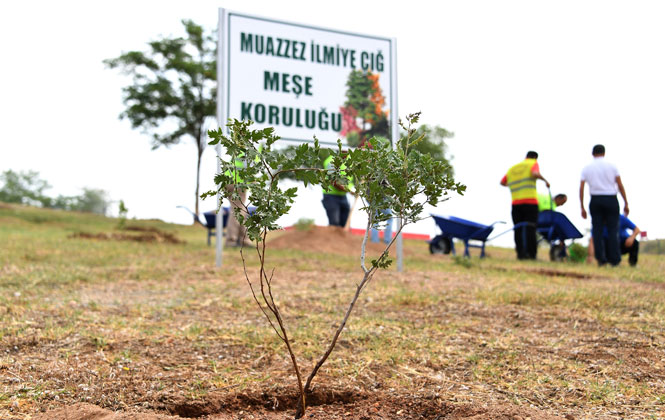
x=149, y=235
x=362, y=407
x=327, y=240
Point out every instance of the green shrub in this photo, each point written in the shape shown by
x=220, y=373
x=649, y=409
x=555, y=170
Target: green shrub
x=462, y=261
x=304, y=224
x=577, y=252
x=122, y=214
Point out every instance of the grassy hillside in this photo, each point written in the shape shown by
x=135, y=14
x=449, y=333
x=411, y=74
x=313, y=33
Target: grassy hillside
x=654, y=246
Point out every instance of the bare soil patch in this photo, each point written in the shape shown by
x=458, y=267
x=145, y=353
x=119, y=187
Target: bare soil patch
x=324, y=407
x=553, y=272
x=561, y=273
x=146, y=235
x=172, y=375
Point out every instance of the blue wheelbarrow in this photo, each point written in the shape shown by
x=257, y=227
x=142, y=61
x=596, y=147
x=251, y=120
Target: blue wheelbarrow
x=555, y=228
x=211, y=221
x=474, y=235
x=210, y=218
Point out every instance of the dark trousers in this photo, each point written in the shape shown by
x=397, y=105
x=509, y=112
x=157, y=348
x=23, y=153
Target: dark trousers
x=337, y=208
x=604, y=210
x=526, y=243
x=632, y=251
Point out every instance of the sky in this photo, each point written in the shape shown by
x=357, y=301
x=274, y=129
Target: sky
x=505, y=76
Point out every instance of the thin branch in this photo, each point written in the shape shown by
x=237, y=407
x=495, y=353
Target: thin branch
x=332, y=344
x=251, y=287
x=385, y=253
x=266, y=283
x=272, y=273
x=364, y=246
x=283, y=171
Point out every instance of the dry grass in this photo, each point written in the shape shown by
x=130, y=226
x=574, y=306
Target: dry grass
x=138, y=324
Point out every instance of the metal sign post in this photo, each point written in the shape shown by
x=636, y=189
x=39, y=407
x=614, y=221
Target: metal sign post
x=219, y=225
x=394, y=119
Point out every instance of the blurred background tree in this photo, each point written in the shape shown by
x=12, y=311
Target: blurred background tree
x=173, y=90
x=28, y=188
x=24, y=188
x=434, y=143
x=92, y=200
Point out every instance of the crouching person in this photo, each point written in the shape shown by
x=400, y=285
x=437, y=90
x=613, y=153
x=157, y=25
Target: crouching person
x=627, y=240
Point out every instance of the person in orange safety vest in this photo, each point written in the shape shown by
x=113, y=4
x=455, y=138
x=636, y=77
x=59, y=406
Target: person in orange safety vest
x=521, y=179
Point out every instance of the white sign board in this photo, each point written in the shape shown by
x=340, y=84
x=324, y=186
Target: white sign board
x=306, y=81
x=295, y=78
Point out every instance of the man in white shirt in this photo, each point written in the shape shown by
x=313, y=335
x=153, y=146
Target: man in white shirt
x=604, y=182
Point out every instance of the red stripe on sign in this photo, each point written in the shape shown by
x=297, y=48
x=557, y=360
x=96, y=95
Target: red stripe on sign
x=405, y=235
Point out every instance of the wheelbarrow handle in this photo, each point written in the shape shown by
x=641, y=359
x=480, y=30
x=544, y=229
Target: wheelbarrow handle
x=517, y=226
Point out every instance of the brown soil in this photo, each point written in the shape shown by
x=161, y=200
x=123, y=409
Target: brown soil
x=147, y=235
x=559, y=273
x=347, y=405
x=552, y=272
x=327, y=240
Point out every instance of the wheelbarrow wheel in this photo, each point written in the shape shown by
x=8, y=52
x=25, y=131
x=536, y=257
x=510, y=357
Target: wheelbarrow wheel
x=558, y=252
x=440, y=245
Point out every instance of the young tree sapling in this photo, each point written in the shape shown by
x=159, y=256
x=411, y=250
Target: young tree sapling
x=400, y=179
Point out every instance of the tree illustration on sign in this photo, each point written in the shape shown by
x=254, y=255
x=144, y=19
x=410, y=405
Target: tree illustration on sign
x=363, y=115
